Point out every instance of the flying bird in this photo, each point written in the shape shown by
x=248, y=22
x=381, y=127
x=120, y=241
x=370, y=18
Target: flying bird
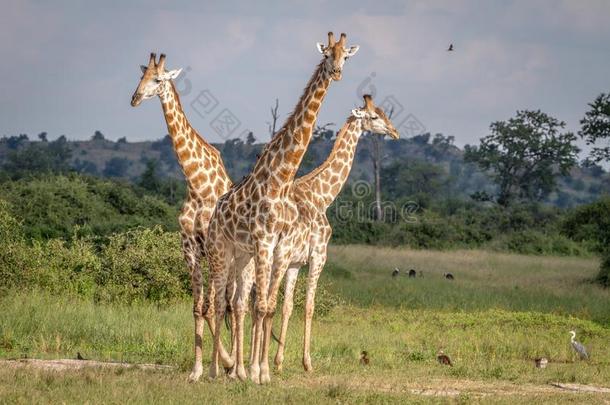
x=450, y=49
x=578, y=347
x=443, y=359
x=364, y=358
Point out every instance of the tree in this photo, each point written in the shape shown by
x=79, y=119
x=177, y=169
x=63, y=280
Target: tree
x=43, y=137
x=121, y=140
x=596, y=127
x=97, y=136
x=323, y=132
x=150, y=179
x=525, y=155
x=274, y=118
x=412, y=177
x=116, y=167
x=250, y=139
x=14, y=142
x=39, y=157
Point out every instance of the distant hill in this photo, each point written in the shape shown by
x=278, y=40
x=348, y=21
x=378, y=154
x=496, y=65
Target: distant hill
x=455, y=178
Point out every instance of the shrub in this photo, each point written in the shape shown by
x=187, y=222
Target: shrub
x=143, y=264
x=603, y=277
x=56, y=206
x=12, y=247
x=61, y=267
x=590, y=223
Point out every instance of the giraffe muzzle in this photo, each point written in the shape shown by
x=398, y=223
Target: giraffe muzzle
x=136, y=99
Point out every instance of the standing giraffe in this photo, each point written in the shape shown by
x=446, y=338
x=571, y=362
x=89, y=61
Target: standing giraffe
x=313, y=194
x=206, y=179
x=251, y=218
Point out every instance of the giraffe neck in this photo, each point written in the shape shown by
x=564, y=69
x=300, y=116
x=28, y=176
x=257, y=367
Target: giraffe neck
x=328, y=179
x=280, y=160
x=200, y=162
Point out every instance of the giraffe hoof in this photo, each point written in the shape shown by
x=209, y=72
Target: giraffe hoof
x=255, y=375
x=278, y=362
x=195, y=375
x=241, y=374
x=265, y=378
x=213, y=372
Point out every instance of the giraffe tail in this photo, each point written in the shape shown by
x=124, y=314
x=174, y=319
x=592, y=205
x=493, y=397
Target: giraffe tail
x=273, y=335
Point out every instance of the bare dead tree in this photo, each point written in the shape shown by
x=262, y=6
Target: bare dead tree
x=274, y=116
x=377, y=141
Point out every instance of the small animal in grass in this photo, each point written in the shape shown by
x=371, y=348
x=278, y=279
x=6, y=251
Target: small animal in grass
x=443, y=359
x=578, y=347
x=541, y=362
x=396, y=272
x=448, y=276
x=79, y=356
x=412, y=273
x=364, y=358
x=450, y=49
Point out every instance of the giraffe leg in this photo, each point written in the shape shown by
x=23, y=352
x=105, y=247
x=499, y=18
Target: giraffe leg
x=263, y=255
x=316, y=265
x=280, y=265
x=219, y=273
x=245, y=280
x=291, y=279
x=231, y=296
x=192, y=260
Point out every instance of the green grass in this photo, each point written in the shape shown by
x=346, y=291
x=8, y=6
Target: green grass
x=483, y=280
x=500, y=313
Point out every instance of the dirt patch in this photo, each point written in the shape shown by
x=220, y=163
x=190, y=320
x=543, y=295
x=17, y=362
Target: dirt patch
x=70, y=364
x=434, y=387
x=447, y=387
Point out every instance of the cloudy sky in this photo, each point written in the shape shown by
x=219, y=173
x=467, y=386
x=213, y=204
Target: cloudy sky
x=70, y=67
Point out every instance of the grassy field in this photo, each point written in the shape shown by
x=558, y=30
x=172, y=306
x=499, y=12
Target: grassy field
x=500, y=313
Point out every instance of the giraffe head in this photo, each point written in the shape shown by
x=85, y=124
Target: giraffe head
x=153, y=79
x=335, y=54
x=374, y=119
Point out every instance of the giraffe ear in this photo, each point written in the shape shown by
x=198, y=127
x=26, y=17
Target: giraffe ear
x=143, y=68
x=357, y=113
x=321, y=48
x=352, y=50
x=172, y=74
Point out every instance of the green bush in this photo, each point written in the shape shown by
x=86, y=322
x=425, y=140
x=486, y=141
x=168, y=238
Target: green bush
x=143, y=264
x=12, y=247
x=590, y=223
x=537, y=243
x=53, y=265
x=61, y=267
x=57, y=206
x=603, y=277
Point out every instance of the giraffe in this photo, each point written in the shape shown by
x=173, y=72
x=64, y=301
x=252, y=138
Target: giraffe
x=313, y=194
x=206, y=179
x=251, y=218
